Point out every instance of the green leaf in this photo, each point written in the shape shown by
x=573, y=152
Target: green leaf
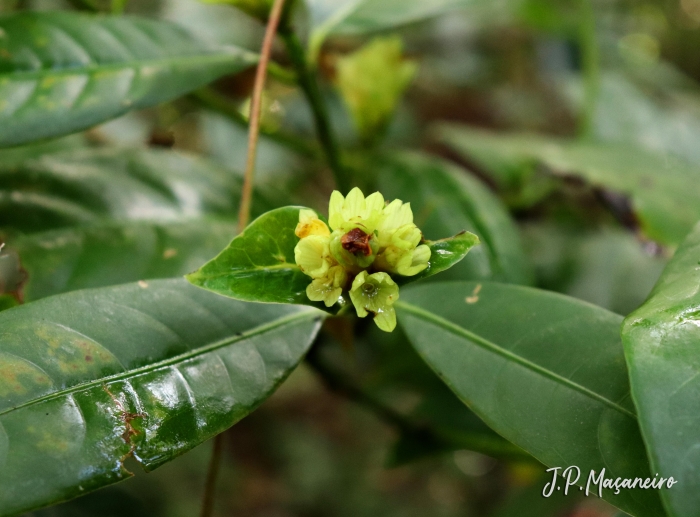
x=91, y=186
x=64, y=72
x=259, y=263
x=364, y=16
x=446, y=200
x=69, y=259
x=91, y=378
x=545, y=371
x=661, y=344
x=663, y=189
x=608, y=267
x=444, y=254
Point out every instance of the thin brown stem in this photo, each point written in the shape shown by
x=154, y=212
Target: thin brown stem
x=212, y=475
x=255, y=109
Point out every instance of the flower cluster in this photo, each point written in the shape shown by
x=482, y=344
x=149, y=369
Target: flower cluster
x=367, y=242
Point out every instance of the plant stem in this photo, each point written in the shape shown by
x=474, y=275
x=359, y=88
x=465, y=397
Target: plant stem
x=212, y=474
x=118, y=6
x=210, y=99
x=85, y=5
x=255, y=109
x=324, y=130
x=590, y=67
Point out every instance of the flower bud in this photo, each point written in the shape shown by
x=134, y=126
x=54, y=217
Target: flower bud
x=372, y=81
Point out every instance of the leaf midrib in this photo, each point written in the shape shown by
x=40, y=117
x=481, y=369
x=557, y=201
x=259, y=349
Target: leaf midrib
x=234, y=272
x=181, y=358
x=493, y=347
x=118, y=65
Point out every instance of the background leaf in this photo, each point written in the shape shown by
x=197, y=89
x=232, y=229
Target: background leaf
x=366, y=16
x=663, y=189
x=90, y=378
x=64, y=72
x=68, y=259
x=446, y=200
x=90, y=186
x=552, y=380
x=661, y=344
x=98, y=217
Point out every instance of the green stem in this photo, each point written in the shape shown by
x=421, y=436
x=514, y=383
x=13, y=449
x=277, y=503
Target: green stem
x=590, y=66
x=118, y=6
x=214, y=101
x=85, y=5
x=309, y=85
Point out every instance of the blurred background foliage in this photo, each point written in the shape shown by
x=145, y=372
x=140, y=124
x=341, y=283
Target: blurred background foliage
x=386, y=438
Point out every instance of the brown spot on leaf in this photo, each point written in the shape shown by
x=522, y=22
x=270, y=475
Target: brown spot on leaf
x=356, y=241
x=129, y=430
x=88, y=358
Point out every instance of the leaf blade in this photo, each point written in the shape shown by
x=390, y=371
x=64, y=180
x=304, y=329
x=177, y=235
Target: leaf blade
x=663, y=189
x=446, y=200
x=67, y=71
x=660, y=341
x=169, y=366
x=533, y=380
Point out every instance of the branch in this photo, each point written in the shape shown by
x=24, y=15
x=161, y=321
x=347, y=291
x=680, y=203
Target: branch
x=255, y=108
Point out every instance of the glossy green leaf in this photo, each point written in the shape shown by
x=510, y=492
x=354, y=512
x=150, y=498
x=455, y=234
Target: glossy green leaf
x=64, y=72
x=545, y=371
x=662, y=343
x=91, y=378
x=75, y=258
x=363, y=16
x=664, y=190
x=446, y=200
x=90, y=186
x=259, y=263
x=444, y=254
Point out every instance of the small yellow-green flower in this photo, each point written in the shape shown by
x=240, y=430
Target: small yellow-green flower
x=367, y=242
x=375, y=294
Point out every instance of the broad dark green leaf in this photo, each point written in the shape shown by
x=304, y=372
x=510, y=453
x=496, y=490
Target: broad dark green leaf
x=664, y=190
x=75, y=258
x=545, y=371
x=662, y=345
x=91, y=378
x=445, y=200
x=90, y=186
x=259, y=263
x=64, y=72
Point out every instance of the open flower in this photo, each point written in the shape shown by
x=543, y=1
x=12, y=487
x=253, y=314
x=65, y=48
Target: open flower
x=354, y=211
x=367, y=242
x=375, y=294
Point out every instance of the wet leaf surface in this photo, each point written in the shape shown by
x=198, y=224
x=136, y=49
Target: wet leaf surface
x=149, y=370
